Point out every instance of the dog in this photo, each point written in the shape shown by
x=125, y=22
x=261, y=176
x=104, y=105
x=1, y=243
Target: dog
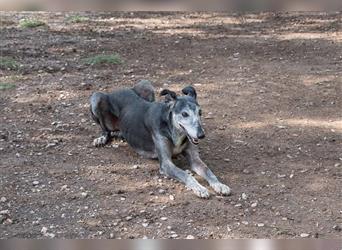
x=105, y=109
x=165, y=129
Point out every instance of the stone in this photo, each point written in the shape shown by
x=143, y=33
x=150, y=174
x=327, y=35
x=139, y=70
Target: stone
x=254, y=204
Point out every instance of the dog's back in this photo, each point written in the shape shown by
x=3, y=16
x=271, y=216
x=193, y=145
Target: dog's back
x=137, y=123
x=106, y=109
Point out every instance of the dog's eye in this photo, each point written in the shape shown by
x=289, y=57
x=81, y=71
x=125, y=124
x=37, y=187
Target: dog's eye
x=200, y=112
x=185, y=114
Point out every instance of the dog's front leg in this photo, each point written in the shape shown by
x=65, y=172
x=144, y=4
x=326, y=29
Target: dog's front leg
x=168, y=168
x=197, y=165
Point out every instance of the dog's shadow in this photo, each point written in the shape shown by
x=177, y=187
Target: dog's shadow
x=181, y=162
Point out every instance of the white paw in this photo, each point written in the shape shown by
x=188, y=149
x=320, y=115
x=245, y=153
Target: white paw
x=101, y=141
x=221, y=188
x=201, y=191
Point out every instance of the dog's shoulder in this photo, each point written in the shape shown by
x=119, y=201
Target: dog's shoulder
x=157, y=118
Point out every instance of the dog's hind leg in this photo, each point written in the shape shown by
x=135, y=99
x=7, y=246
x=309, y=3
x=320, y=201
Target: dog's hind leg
x=197, y=165
x=102, y=115
x=168, y=168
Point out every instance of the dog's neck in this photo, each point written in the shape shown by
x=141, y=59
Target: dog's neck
x=177, y=134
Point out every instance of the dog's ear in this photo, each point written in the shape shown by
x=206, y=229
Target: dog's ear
x=190, y=91
x=169, y=95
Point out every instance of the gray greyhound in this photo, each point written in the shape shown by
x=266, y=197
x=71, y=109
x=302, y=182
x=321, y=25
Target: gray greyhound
x=105, y=109
x=165, y=129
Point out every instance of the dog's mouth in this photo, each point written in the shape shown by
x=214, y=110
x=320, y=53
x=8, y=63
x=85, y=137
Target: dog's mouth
x=191, y=139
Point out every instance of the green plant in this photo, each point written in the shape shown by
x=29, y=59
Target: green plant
x=77, y=19
x=8, y=63
x=30, y=23
x=104, y=59
x=4, y=86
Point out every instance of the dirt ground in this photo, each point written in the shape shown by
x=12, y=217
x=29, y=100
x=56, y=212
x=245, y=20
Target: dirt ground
x=270, y=89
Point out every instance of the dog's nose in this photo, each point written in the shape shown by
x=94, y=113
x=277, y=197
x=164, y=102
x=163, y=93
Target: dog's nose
x=200, y=134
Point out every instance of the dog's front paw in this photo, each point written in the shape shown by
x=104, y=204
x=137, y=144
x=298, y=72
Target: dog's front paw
x=201, y=191
x=221, y=188
x=101, y=141
x=117, y=135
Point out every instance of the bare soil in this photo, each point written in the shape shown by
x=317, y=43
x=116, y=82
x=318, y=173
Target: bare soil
x=270, y=89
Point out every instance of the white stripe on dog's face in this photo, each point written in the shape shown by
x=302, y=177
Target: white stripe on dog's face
x=186, y=116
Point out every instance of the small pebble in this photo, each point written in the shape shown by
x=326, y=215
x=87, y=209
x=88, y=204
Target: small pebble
x=260, y=224
x=304, y=235
x=128, y=218
x=254, y=204
x=171, y=197
x=244, y=196
x=145, y=224
x=3, y=199
x=50, y=145
x=35, y=183
x=4, y=212
x=163, y=218
x=8, y=221
x=44, y=230
x=190, y=237
x=161, y=191
x=84, y=194
x=174, y=236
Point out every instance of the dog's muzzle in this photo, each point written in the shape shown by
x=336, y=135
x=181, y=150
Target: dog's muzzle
x=200, y=133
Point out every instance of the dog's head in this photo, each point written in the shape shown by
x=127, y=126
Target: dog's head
x=186, y=113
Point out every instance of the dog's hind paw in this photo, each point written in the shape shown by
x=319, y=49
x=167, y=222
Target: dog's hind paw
x=101, y=141
x=201, y=192
x=221, y=188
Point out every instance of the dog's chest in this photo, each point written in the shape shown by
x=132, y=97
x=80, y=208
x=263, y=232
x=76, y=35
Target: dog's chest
x=179, y=145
